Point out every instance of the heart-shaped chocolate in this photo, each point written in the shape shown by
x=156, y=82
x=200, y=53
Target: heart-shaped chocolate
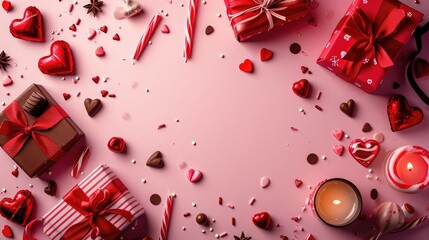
x=420, y=68
x=155, y=160
x=246, y=66
x=302, y=88
x=262, y=220
x=364, y=152
x=51, y=189
x=194, y=176
x=18, y=209
x=401, y=115
x=348, y=108
x=92, y=106
x=30, y=27
x=116, y=144
x=60, y=61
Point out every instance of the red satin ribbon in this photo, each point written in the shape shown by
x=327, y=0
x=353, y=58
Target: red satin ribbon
x=18, y=130
x=372, y=42
x=93, y=208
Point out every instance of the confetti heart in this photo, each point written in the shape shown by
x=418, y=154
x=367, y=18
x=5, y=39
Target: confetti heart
x=15, y=172
x=165, y=29
x=421, y=68
x=265, y=54
x=116, y=144
x=60, y=61
x=364, y=152
x=51, y=189
x=99, y=52
x=66, y=96
x=262, y=220
x=348, y=108
x=401, y=115
x=338, y=134
x=73, y=27
x=116, y=37
x=30, y=27
x=96, y=79
x=104, y=93
x=298, y=183
x=18, y=209
x=7, y=6
x=155, y=160
x=104, y=29
x=7, y=231
x=304, y=69
x=302, y=88
x=194, y=175
x=90, y=33
x=338, y=149
x=246, y=66
x=92, y=106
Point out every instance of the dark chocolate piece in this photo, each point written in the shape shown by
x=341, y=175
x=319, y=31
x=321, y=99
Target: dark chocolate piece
x=312, y=158
x=374, y=194
x=348, y=108
x=209, y=30
x=366, y=127
x=92, y=106
x=201, y=219
x=35, y=104
x=155, y=160
x=155, y=199
x=295, y=48
x=51, y=189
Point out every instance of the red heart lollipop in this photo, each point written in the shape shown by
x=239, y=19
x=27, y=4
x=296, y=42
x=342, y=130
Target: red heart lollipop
x=401, y=115
x=30, y=27
x=60, y=61
x=262, y=220
x=302, y=88
x=364, y=152
x=18, y=209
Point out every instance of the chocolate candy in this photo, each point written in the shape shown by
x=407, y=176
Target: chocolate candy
x=51, y=189
x=312, y=158
x=35, y=104
x=92, y=106
x=201, y=219
x=348, y=108
x=209, y=30
x=155, y=160
x=155, y=199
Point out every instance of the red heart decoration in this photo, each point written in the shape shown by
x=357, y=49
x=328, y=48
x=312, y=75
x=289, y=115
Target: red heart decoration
x=30, y=27
x=18, y=209
x=60, y=61
x=265, y=54
x=302, y=88
x=364, y=152
x=103, y=29
x=262, y=220
x=421, y=68
x=401, y=115
x=7, y=6
x=7, y=231
x=246, y=66
x=116, y=144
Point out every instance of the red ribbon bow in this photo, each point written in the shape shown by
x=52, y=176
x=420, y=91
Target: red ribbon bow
x=93, y=209
x=18, y=130
x=373, y=43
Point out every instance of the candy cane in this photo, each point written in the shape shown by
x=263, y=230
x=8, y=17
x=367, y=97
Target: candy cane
x=411, y=224
x=190, y=25
x=166, y=218
x=147, y=35
x=77, y=167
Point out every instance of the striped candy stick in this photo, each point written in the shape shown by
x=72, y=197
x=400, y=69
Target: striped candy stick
x=77, y=167
x=190, y=25
x=147, y=35
x=166, y=218
x=410, y=224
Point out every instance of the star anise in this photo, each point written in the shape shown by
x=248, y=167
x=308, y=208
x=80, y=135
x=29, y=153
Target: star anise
x=4, y=61
x=94, y=7
x=242, y=237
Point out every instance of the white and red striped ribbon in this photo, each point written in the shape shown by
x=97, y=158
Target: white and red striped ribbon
x=166, y=218
x=62, y=216
x=147, y=35
x=190, y=26
x=77, y=167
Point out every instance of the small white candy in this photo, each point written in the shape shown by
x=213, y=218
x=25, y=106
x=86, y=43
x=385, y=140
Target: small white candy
x=370, y=170
x=203, y=231
x=173, y=195
x=3, y=190
x=218, y=15
x=222, y=55
x=133, y=161
x=346, y=136
x=143, y=180
x=184, y=228
x=194, y=143
x=194, y=204
x=217, y=236
x=368, y=176
x=30, y=185
x=211, y=229
x=324, y=157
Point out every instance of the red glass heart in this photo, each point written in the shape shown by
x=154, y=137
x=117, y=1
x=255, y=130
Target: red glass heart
x=60, y=61
x=364, y=152
x=30, y=27
x=262, y=220
x=18, y=209
x=401, y=115
x=302, y=88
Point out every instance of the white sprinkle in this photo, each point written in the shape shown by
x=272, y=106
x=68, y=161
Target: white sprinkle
x=346, y=136
x=15, y=167
x=265, y=182
x=204, y=2
x=211, y=229
x=301, y=110
x=194, y=204
x=376, y=178
x=184, y=228
x=213, y=220
x=150, y=42
x=3, y=103
x=217, y=236
x=324, y=157
x=61, y=29
x=77, y=78
x=370, y=170
x=182, y=5
x=219, y=15
x=368, y=177
x=133, y=161
x=82, y=173
x=203, y=231
x=63, y=78
x=222, y=55
x=51, y=38
x=252, y=200
x=307, y=201
x=309, y=187
x=173, y=195
x=194, y=143
x=30, y=185
x=143, y=180
x=3, y=190
x=166, y=14
x=176, y=120
x=147, y=89
x=75, y=2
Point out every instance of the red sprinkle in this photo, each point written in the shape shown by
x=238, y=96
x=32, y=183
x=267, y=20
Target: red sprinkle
x=219, y=200
x=162, y=126
x=78, y=21
x=294, y=129
x=296, y=218
x=187, y=214
x=73, y=27
x=233, y=221
x=230, y=205
x=319, y=93
x=66, y=96
x=304, y=69
x=277, y=225
x=112, y=95
x=318, y=107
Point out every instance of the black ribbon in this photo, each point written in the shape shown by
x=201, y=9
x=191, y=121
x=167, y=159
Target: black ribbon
x=418, y=36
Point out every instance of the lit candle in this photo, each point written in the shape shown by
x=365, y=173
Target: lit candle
x=407, y=168
x=337, y=202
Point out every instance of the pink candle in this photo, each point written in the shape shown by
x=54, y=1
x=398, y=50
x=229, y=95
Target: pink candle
x=337, y=202
x=407, y=168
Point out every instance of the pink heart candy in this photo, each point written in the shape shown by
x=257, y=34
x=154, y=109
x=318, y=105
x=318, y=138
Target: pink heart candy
x=338, y=134
x=100, y=51
x=338, y=149
x=194, y=176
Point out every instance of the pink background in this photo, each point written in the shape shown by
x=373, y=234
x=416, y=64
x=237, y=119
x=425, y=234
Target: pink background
x=241, y=122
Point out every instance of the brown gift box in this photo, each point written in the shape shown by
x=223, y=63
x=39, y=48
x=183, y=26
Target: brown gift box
x=65, y=134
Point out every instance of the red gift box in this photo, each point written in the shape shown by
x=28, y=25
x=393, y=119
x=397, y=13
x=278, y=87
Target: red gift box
x=367, y=41
x=249, y=18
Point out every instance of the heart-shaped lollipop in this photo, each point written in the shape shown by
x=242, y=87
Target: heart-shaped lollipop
x=364, y=152
x=60, y=61
x=18, y=209
x=401, y=115
x=130, y=9
x=30, y=27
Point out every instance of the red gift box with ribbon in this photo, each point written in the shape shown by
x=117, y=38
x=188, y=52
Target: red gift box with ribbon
x=36, y=132
x=367, y=41
x=99, y=207
x=249, y=18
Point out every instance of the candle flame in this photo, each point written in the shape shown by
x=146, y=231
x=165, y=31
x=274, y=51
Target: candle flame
x=410, y=166
x=336, y=202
